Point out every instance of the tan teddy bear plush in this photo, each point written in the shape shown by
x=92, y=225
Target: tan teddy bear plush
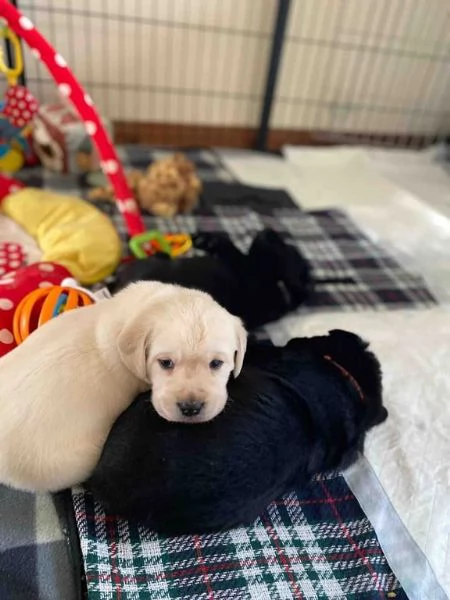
x=169, y=186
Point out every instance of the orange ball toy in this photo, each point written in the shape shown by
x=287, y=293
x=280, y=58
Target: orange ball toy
x=39, y=306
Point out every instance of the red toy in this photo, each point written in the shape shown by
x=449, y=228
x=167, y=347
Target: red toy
x=15, y=286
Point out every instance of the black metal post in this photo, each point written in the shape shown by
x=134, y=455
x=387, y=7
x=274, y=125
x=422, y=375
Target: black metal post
x=272, y=74
x=10, y=52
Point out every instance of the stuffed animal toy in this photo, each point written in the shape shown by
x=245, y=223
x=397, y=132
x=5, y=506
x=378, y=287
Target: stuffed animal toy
x=169, y=186
x=293, y=412
x=272, y=279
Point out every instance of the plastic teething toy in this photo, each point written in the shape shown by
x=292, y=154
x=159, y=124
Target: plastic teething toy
x=41, y=305
x=180, y=243
x=152, y=241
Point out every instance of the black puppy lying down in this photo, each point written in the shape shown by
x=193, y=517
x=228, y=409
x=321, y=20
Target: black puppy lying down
x=293, y=412
x=272, y=279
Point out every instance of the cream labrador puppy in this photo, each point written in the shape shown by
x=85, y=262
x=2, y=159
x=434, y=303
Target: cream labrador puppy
x=63, y=388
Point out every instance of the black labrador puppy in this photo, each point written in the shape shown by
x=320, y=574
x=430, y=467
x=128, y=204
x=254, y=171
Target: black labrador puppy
x=294, y=411
x=272, y=279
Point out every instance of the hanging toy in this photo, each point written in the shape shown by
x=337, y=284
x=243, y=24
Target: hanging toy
x=17, y=112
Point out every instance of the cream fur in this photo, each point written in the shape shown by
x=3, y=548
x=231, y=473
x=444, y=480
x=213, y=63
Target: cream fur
x=63, y=388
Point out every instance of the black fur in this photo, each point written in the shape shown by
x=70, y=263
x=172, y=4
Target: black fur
x=261, y=286
x=291, y=413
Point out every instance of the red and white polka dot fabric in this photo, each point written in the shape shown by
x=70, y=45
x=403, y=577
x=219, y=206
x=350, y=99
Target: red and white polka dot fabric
x=16, y=285
x=20, y=107
x=12, y=257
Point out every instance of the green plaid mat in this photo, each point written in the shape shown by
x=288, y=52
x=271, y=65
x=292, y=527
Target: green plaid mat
x=314, y=543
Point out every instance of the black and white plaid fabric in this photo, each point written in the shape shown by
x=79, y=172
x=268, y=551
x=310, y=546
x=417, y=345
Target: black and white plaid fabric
x=353, y=273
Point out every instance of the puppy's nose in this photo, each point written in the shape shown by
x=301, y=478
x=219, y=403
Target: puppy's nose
x=190, y=408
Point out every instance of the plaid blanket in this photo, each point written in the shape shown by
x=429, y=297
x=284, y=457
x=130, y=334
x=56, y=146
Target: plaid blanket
x=314, y=544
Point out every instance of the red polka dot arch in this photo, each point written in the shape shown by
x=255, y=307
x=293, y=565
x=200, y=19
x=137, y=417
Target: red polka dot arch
x=70, y=88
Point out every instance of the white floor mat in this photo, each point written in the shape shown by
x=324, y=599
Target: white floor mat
x=410, y=452
x=401, y=200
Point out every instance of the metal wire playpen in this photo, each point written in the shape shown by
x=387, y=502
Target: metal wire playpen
x=255, y=73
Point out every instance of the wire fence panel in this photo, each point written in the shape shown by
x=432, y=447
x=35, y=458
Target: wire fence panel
x=189, y=67
x=378, y=69
x=195, y=72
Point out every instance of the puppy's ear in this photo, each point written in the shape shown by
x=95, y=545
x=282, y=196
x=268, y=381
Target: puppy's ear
x=347, y=337
x=133, y=340
x=133, y=344
x=241, y=338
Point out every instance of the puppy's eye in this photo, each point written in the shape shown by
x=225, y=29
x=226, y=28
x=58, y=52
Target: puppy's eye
x=166, y=363
x=215, y=364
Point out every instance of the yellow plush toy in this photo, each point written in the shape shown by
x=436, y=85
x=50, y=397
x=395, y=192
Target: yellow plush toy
x=69, y=231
